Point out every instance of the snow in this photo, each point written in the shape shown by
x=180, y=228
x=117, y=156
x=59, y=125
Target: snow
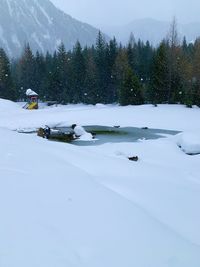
x=44, y=13
x=67, y=205
x=35, y=16
x=9, y=8
x=7, y=106
x=86, y=137
x=82, y=134
x=30, y=92
x=189, y=142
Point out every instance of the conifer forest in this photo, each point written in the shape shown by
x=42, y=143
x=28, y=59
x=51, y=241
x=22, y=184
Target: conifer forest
x=107, y=72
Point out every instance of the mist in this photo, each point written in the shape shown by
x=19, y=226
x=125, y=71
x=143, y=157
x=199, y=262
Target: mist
x=114, y=12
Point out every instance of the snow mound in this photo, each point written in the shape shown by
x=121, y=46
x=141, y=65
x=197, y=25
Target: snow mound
x=86, y=137
x=7, y=105
x=189, y=142
x=82, y=134
x=99, y=105
x=79, y=130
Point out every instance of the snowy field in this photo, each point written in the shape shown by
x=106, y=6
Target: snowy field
x=68, y=206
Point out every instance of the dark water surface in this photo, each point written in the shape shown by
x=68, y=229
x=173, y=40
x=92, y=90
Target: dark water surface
x=105, y=134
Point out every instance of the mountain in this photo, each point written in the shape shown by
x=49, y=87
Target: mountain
x=152, y=30
x=41, y=24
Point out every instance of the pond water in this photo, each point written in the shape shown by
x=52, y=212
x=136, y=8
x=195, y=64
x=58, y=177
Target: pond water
x=105, y=134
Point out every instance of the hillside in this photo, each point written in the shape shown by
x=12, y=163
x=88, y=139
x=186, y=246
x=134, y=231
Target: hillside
x=41, y=24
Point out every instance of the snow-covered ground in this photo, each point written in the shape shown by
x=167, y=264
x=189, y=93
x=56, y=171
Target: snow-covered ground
x=64, y=205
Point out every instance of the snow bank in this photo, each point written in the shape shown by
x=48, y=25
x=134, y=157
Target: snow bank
x=8, y=106
x=168, y=117
x=189, y=142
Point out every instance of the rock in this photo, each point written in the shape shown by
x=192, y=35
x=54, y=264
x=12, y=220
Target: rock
x=41, y=132
x=134, y=158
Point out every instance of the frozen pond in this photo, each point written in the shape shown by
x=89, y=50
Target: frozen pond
x=105, y=134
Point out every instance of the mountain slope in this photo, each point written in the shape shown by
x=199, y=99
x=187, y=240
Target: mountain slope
x=41, y=24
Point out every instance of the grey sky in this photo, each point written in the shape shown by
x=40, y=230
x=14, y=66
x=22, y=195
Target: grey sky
x=117, y=12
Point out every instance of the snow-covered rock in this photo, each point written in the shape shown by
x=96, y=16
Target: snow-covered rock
x=189, y=142
x=82, y=134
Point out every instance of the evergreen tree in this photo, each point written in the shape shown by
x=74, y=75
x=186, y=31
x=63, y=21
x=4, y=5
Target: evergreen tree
x=196, y=73
x=102, y=67
x=62, y=67
x=131, y=90
x=58, y=79
x=174, y=50
x=131, y=52
x=6, y=83
x=184, y=46
x=111, y=53
x=46, y=92
x=90, y=85
x=139, y=49
x=158, y=89
x=185, y=73
x=120, y=68
x=27, y=72
x=40, y=72
x=78, y=73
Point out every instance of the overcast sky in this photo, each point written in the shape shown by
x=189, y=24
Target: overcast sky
x=118, y=12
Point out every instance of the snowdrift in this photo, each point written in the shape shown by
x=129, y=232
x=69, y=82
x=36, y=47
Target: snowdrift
x=8, y=106
x=189, y=142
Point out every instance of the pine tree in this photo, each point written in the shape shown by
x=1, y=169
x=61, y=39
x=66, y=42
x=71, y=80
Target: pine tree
x=185, y=74
x=131, y=90
x=119, y=69
x=90, y=85
x=131, y=52
x=158, y=88
x=27, y=71
x=184, y=46
x=78, y=73
x=174, y=50
x=102, y=68
x=111, y=53
x=6, y=83
x=40, y=72
x=58, y=80
x=196, y=73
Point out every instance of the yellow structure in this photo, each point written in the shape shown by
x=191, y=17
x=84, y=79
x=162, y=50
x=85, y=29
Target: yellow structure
x=32, y=105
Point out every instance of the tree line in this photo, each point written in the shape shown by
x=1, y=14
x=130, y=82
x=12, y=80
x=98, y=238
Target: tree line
x=108, y=72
